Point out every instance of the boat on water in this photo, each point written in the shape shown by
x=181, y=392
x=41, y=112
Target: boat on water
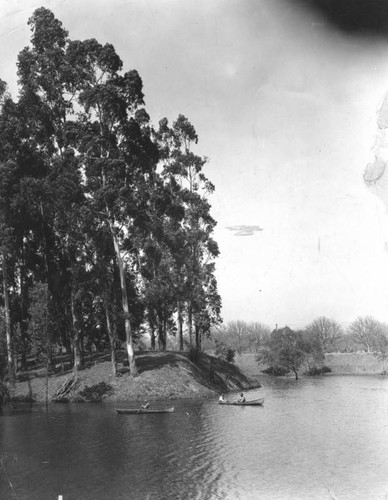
x=136, y=411
x=252, y=402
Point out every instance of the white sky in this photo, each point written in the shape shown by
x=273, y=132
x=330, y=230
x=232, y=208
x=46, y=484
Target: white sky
x=285, y=109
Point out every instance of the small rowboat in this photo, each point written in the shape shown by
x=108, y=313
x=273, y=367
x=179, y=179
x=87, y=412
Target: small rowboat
x=253, y=402
x=134, y=411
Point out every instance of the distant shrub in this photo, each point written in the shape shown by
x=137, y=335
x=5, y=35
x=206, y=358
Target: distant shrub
x=222, y=351
x=96, y=392
x=314, y=371
x=276, y=371
x=230, y=354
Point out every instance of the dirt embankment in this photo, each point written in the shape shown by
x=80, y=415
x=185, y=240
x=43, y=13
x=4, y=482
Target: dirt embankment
x=161, y=375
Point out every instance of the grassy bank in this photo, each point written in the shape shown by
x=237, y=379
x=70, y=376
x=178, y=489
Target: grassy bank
x=355, y=364
x=172, y=375
x=162, y=375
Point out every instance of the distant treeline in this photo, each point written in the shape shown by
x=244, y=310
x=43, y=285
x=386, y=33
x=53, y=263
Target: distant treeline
x=105, y=224
x=365, y=334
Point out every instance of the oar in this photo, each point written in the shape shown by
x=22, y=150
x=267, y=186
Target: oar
x=141, y=407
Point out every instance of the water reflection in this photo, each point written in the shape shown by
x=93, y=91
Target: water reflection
x=311, y=438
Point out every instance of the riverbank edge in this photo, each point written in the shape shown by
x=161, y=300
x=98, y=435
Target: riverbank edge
x=340, y=364
x=169, y=375
x=163, y=375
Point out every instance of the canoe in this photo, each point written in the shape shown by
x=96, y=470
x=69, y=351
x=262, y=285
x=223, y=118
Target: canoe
x=136, y=411
x=253, y=402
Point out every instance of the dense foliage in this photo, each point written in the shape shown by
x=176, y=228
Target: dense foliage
x=287, y=350
x=105, y=225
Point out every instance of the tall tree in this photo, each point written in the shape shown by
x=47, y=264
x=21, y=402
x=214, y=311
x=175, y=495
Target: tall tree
x=285, y=350
x=194, y=256
x=7, y=186
x=326, y=331
x=46, y=96
x=117, y=153
x=366, y=330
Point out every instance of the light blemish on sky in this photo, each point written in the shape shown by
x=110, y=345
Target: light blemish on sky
x=285, y=109
x=375, y=175
x=243, y=230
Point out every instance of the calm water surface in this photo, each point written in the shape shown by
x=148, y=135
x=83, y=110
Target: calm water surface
x=320, y=438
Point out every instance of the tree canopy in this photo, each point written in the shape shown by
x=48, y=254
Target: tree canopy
x=286, y=351
x=105, y=221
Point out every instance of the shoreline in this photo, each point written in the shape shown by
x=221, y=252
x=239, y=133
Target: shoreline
x=168, y=375
x=339, y=363
x=163, y=375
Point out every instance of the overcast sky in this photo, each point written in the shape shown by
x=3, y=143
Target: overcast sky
x=284, y=99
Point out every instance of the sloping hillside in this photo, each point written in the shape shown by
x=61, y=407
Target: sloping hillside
x=162, y=375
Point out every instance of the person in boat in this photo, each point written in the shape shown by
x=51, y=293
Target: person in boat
x=241, y=399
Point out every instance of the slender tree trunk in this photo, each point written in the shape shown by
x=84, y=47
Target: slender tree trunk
x=164, y=332
x=124, y=296
x=10, y=360
x=23, y=307
x=180, y=325
x=161, y=340
x=78, y=357
x=47, y=379
x=197, y=337
x=190, y=323
x=111, y=338
x=152, y=331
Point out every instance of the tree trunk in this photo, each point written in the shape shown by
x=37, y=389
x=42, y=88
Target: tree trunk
x=190, y=323
x=124, y=297
x=197, y=337
x=296, y=374
x=78, y=357
x=111, y=339
x=164, y=332
x=10, y=360
x=47, y=379
x=23, y=308
x=180, y=325
x=152, y=331
x=161, y=341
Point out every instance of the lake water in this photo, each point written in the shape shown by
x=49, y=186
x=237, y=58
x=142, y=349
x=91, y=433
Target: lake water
x=321, y=438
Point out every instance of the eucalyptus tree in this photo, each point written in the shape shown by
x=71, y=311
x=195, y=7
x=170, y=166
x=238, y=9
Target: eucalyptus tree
x=9, y=187
x=196, y=249
x=86, y=152
x=160, y=292
x=163, y=248
x=41, y=326
x=117, y=154
x=54, y=192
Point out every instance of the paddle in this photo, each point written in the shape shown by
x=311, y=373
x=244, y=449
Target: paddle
x=143, y=407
